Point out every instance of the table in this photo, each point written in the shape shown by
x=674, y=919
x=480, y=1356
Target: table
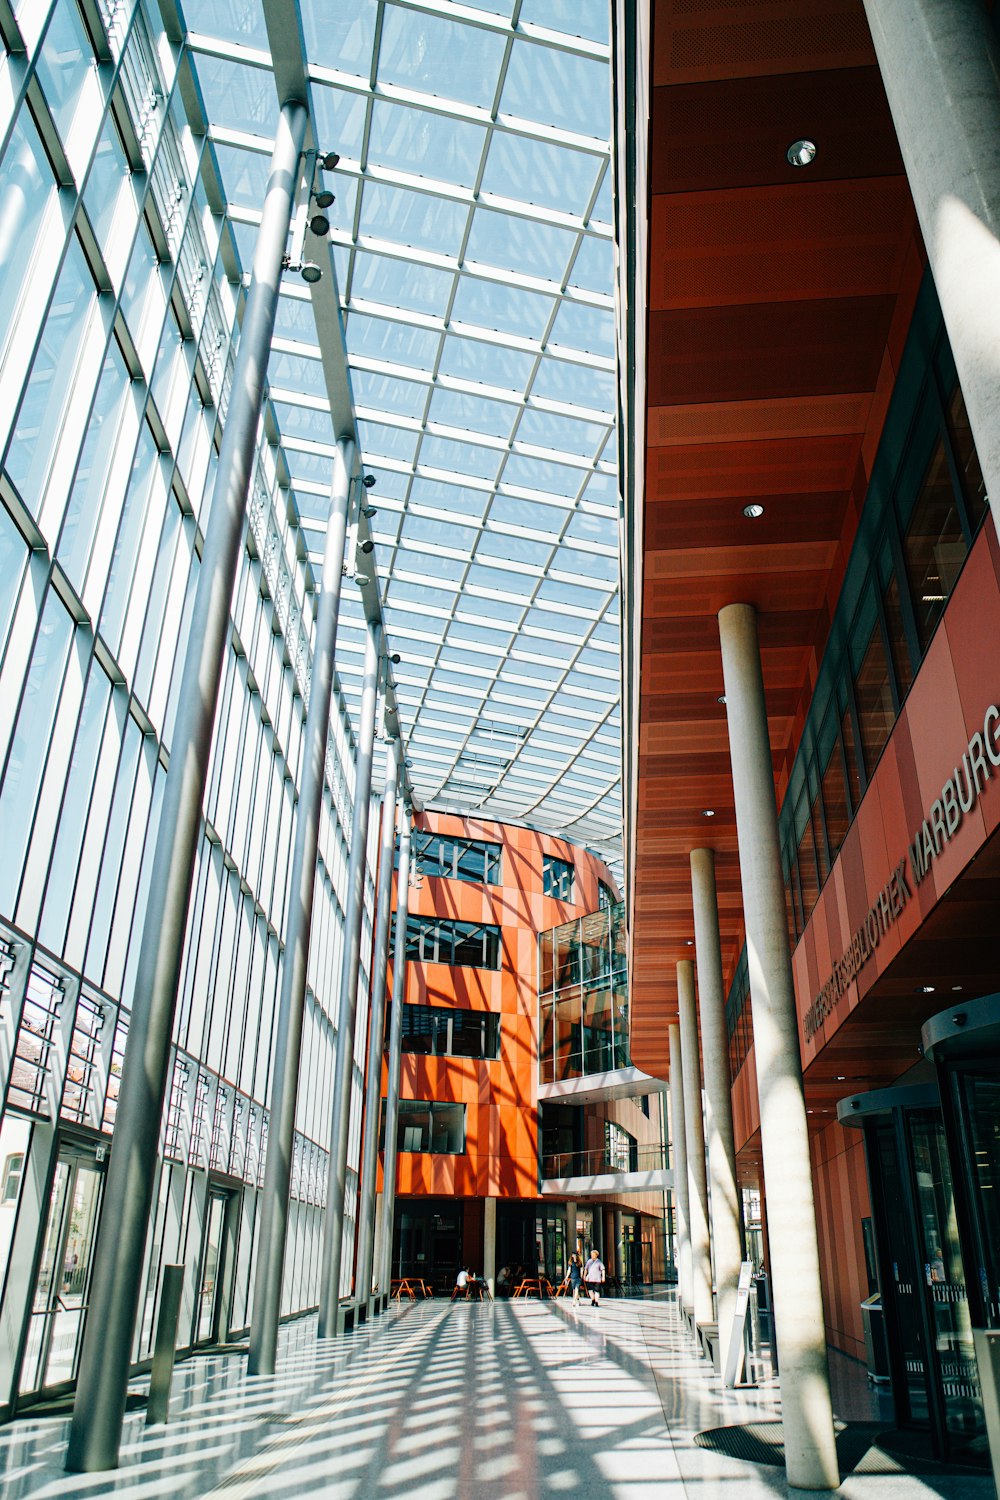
x=534, y=1286
x=406, y=1287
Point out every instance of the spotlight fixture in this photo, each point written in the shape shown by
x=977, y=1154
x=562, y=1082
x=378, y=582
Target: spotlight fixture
x=407, y=761
x=709, y=812
x=311, y=272
x=368, y=511
x=330, y=161
x=955, y=988
x=361, y=579
x=689, y=942
x=369, y=481
x=841, y=1078
x=395, y=658
x=368, y=546
x=325, y=199
x=754, y=510
x=927, y=989
x=801, y=153
x=320, y=224
x=721, y=699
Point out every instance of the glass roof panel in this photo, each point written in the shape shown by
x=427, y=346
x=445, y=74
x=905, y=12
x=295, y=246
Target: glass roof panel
x=533, y=171
x=558, y=88
x=440, y=57
x=466, y=200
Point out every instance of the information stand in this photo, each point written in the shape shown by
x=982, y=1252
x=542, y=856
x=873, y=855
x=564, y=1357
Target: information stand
x=736, y=1351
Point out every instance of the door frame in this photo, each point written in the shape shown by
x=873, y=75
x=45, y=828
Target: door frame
x=230, y=1192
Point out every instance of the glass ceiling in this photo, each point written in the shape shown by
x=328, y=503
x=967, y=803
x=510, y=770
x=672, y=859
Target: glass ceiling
x=472, y=238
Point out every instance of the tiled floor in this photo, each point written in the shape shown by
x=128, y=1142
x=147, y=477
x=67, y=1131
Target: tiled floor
x=445, y=1401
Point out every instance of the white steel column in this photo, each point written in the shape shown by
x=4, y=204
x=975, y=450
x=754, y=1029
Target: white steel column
x=727, y=1233
x=102, y=1383
x=343, y=1080
x=274, y=1199
x=389, y=1161
x=675, y=1100
x=807, y=1416
x=694, y=1135
x=940, y=64
x=376, y=1030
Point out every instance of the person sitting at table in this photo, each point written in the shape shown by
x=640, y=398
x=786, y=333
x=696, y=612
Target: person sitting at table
x=503, y=1281
x=461, y=1284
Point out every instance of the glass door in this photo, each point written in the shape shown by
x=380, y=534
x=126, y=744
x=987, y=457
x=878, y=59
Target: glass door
x=898, y=1275
x=62, y=1287
x=943, y=1287
x=211, y=1281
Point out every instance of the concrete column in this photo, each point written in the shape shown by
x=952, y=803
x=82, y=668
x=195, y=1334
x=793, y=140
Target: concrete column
x=619, y=1245
x=940, y=64
x=490, y=1244
x=724, y=1198
x=570, y=1230
x=685, y=1288
x=694, y=1135
x=298, y=928
x=333, y=1228
x=373, y=1088
x=807, y=1416
x=395, y=1048
x=596, y=1230
x=99, y=1408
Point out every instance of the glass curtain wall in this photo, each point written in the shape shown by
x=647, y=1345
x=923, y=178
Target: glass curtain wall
x=120, y=293
x=583, y=996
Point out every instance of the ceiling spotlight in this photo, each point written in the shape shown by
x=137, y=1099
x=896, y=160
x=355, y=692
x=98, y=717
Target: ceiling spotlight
x=369, y=481
x=722, y=699
x=368, y=546
x=325, y=199
x=801, y=153
x=368, y=511
x=689, y=942
x=709, y=812
x=407, y=761
x=753, y=510
x=320, y=224
x=927, y=989
x=841, y=1078
x=955, y=988
x=395, y=658
x=329, y=161
x=311, y=272
x=361, y=579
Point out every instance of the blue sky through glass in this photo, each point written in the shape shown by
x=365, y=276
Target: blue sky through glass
x=472, y=238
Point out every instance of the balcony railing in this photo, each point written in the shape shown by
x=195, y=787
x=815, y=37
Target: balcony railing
x=600, y=1162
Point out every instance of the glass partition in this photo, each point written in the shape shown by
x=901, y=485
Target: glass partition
x=583, y=989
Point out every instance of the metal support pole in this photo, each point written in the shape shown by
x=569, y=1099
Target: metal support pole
x=336, y=1192
x=806, y=1410
x=291, y=1006
x=727, y=1230
x=694, y=1139
x=395, y=1049
x=685, y=1294
x=165, y=1345
x=99, y=1409
x=376, y=1037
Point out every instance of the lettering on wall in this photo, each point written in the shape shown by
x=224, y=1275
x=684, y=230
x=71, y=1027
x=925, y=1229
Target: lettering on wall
x=959, y=795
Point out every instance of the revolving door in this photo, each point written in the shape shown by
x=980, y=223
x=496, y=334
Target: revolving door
x=932, y=1359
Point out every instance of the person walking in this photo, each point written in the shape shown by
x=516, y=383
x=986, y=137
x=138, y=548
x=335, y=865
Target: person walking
x=574, y=1276
x=594, y=1274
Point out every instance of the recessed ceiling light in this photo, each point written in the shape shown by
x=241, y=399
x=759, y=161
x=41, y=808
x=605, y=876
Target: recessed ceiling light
x=955, y=987
x=927, y=989
x=841, y=1078
x=689, y=942
x=801, y=153
x=709, y=812
x=753, y=510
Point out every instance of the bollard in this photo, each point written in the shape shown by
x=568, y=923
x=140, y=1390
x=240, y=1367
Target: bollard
x=166, y=1345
